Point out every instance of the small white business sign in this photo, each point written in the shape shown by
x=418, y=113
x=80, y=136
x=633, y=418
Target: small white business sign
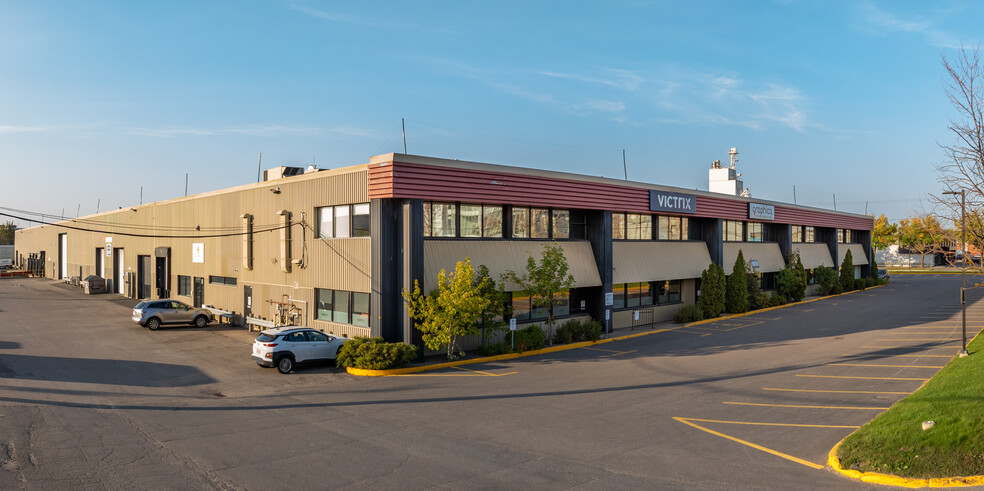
x=758, y=211
x=109, y=246
x=609, y=298
x=198, y=252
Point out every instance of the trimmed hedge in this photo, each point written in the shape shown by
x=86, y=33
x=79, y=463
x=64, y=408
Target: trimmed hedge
x=375, y=354
x=529, y=338
x=688, y=313
x=576, y=330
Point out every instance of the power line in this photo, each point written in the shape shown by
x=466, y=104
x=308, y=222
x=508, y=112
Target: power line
x=50, y=219
x=155, y=236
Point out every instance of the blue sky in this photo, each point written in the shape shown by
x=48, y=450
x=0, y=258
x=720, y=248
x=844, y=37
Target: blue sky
x=835, y=98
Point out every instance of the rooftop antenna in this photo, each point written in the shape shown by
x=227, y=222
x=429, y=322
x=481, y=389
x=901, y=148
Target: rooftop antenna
x=835, y=201
x=258, y=166
x=141, y=195
x=403, y=123
x=79, y=210
x=186, y=184
x=794, y=194
x=624, y=168
x=98, y=201
x=734, y=156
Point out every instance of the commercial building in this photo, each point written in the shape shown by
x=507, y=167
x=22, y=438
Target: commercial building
x=340, y=245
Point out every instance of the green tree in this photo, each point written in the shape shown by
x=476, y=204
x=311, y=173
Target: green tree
x=736, y=297
x=884, y=234
x=712, y=288
x=800, y=293
x=826, y=278
x=452, y=310
x=7, y=233
x=923, y=234
x=787, y=282
x=847, y=273
x=546, y=283
x=874, y=267
x=756, y=299
x=492, y=319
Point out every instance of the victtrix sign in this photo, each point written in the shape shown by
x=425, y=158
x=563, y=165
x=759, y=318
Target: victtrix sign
x=672, y=202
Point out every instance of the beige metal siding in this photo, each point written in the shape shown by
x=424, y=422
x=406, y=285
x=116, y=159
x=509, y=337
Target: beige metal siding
x=767, y=253
x=813, y=255
x=635, y=261
x=858, y=257
x=342, y=264
x=505, y=255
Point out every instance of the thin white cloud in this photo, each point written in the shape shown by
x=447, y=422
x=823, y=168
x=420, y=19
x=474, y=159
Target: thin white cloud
x=251, y=130
x=14, y=128
x=361, y=21
x=878, y=22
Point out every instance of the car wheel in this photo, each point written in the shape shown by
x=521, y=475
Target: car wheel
x=201, y=321
x=286, y=364
x=153, y=323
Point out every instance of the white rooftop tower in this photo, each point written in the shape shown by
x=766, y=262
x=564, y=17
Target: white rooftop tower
x=726, y=180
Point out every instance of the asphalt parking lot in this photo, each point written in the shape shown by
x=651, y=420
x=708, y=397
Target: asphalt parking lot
x=89, y=400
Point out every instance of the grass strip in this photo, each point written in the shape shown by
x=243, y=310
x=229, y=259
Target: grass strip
x=895, y=443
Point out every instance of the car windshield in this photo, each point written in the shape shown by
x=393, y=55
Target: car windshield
x=265, y=338
x=140, y=305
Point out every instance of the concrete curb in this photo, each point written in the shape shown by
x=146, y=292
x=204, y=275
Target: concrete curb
x=890, y=480
x=509, y=356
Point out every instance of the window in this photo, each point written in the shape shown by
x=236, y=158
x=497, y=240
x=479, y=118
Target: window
x=539, y=223
x=618, y=225
x=296, y=337
x=561, y=224
x=639, y=294
x=317, y=336
x=797, y=233
x=618, y=296
x=491, y=221
x=471, y=220
x=443, y=218
x=521, y=222
x=734, y=231
x=343, y=221
x=755, y=232
x=220, y=280
x=428, y=230
x=809, y=234
x=184, y=285
x=638, y=227
x=523, y=307
x=673, y=228
x=342, y=307
x=360, y=220
x=669, y=292
x=843, y=235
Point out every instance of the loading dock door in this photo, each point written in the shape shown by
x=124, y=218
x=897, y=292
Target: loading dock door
x=161, y=276
x=143, y=276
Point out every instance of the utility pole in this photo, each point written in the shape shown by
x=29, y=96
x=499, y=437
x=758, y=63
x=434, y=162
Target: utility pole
x=963, y=272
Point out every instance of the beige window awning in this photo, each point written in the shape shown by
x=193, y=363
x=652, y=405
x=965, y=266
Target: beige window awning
x=814, y=255
x=505, y=255
x=767, y=254
x=858, y=257
x=637, y=261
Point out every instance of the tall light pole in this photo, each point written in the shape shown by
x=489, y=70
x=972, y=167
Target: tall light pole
x=963, y=273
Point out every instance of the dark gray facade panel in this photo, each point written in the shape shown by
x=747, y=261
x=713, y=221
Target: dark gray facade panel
x=385, y=288
x=784, y=236
x=599, y=234
x=712, y=231
x=412, y=256
x=828, y=236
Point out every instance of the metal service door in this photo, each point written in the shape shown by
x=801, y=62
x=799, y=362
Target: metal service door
x=118, y=270
x=62, y=256
x=247, y=301
x=198, y=292
x=143, y=276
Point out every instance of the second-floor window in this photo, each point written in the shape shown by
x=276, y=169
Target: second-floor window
x=343, y=221
x=734, y=231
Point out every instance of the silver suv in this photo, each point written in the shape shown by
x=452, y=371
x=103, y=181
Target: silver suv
x=152, y=314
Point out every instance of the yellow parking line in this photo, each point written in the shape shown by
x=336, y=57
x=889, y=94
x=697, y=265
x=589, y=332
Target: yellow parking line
x=838, y=391
x=807, y=407
x=862, y=378
x=616, y=353
x=920, y=339
x=750, y=444
x=756, y=423
x=867, y=355
x=907, y=347
x=877, y=365
x=472, y=373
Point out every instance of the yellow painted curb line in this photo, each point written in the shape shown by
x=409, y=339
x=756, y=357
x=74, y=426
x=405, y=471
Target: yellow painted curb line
x=509, y=356
x=906, y=482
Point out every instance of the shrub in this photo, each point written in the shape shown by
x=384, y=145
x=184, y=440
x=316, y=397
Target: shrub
x=755, y=295
x=688, y=313
x=575, y=330
x=874, y=267
x=736, y=296
x=712, y=291
x=375, y=354
x=826, y=279
x=787, y=282
x=847, y=272
x=495, y=349
x=529, y=338
x=777, y=300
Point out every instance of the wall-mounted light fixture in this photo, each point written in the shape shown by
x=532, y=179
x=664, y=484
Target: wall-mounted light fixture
x=275, y=190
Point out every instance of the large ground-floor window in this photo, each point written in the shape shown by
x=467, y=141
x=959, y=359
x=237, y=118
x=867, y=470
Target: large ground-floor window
x=645, y=294
x=523, y=309
x=343, y=307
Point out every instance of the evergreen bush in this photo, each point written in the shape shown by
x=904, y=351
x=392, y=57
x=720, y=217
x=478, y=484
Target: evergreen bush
x=756, y=299
x=847, y=273
x=688, y=313
x=826, y=279
x=375, y=354
x=736, y=296
x=712, y=291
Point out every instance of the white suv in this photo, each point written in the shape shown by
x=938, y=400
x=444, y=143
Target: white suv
x=285, y=347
